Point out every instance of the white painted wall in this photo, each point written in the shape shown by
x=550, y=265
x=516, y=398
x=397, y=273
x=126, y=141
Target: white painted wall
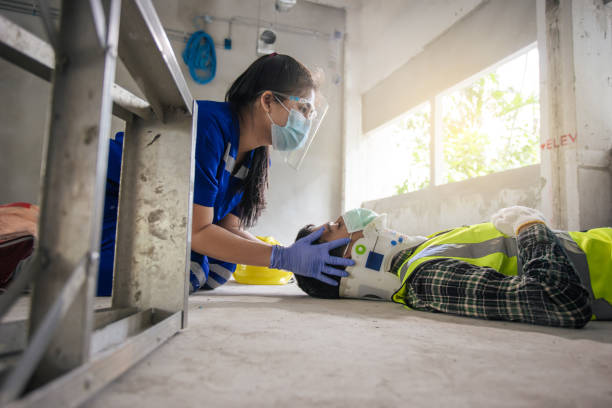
x=295, y=198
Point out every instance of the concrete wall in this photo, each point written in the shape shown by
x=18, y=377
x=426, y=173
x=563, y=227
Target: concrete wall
x=573, y=186
x=383, y=36
x=310, y=195
x=490, y=33
x=294, y=198
x=462, y=203
x=23, y=119
x=574, y=37
x=468, y=42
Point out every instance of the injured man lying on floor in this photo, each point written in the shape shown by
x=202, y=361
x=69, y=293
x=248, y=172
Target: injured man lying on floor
x=513, y=268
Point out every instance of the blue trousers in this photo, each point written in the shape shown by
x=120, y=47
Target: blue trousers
x=210, y=274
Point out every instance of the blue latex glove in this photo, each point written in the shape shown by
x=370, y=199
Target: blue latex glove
x=312, y=261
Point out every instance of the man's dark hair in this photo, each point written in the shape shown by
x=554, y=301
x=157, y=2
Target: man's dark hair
x=274, y=72
x=315, y=287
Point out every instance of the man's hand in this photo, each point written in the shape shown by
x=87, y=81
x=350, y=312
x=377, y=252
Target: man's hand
x=511, y=219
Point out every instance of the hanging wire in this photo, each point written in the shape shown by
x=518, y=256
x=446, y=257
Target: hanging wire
x=199, y=55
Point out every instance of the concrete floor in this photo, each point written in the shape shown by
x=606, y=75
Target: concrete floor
x=273, y=346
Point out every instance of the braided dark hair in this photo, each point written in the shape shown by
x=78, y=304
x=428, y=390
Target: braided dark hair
x=275, y=72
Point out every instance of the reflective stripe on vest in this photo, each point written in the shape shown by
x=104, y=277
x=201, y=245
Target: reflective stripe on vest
x=505, y=245
x=578, y=258
x=591, y=254
x=493, y=249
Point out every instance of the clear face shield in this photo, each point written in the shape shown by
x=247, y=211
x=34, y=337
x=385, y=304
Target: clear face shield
x=312, y=109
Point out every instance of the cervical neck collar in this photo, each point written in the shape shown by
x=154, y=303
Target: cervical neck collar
x=370, y=278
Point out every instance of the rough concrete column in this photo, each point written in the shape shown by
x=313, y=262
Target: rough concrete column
x=575, y=44
x=154, y=222
x=73, y=185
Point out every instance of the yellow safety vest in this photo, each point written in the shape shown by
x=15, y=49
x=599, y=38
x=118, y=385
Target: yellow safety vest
x=483, y=245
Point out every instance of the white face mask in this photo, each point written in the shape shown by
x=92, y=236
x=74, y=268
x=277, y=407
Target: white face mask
x=358, y=218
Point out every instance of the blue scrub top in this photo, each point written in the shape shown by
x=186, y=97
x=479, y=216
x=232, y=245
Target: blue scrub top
x=217, y=182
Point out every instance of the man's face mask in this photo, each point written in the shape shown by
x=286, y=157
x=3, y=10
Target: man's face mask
x=294, y=134
x=357, y=219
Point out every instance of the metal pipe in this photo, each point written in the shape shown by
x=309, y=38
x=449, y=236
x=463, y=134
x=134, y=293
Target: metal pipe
x=18, y=378
x=73, y=183
x=45, y=15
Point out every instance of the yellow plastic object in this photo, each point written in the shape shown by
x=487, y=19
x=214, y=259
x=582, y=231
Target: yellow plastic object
x=261, y=275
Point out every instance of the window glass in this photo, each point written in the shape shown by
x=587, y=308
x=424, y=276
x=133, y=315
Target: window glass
x=398, y=155
x=493, y=123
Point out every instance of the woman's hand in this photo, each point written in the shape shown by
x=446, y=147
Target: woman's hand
x=314, y=261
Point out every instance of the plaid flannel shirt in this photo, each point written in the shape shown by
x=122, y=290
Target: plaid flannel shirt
x=547, y=291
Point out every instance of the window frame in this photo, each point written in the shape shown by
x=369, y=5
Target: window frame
x=436, y=150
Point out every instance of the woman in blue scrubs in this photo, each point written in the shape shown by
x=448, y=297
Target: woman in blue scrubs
x=270, y=104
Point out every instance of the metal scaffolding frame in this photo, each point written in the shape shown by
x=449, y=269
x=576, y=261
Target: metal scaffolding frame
x=67, y=351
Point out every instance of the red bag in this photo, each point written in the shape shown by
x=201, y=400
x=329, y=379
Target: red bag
x=16, y=244
x=11, y=253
